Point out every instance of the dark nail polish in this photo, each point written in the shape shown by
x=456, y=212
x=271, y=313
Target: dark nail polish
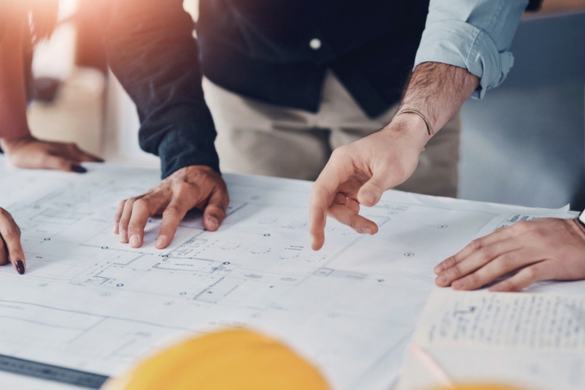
x=20, y=267
x=78, y=169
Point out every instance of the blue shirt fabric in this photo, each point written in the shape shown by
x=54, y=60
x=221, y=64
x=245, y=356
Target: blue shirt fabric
x=474, y=35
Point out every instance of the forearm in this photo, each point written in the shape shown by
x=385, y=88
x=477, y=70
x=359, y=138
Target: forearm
x=13, y=123
x=474, y=35
x=438, y=91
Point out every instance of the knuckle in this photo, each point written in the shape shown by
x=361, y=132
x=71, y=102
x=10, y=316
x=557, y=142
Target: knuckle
x=140, y=204
x=531, y=273
x=450, y=262
x=477, y=244
x=170, y=211
x=455, y=272
x=12, y=231
x=521, y=226
x=183, y=186
x=339, y=153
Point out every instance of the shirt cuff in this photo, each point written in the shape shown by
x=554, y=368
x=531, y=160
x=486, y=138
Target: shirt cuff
x=188, y=140
x=461, y=44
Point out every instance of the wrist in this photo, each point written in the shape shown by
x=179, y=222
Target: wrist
x=412, y=128
x=9, y=144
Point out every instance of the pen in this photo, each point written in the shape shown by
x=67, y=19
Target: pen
x=431, y=365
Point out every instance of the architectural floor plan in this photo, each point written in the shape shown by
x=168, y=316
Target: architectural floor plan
x=90, y=303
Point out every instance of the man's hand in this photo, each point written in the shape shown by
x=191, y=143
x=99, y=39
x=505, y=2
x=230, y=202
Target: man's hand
x=544, y=249
x=10, y=247
x=360, y=172
x=29, y=152
x=191, y=187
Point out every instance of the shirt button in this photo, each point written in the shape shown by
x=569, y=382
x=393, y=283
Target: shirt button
x=315, y=44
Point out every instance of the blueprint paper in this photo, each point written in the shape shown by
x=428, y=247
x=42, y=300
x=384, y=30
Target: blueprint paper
x=533, y=341
x=88, y=302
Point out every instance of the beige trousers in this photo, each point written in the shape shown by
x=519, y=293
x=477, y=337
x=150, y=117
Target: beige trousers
x=263, y=139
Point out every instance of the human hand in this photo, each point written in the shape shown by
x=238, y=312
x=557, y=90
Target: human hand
x=32, y=153
x=359, y=173
x=543, y=249
x=10, y=247
x=195, y=186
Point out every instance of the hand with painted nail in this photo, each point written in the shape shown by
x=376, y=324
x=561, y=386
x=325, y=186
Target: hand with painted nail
x=32, y=153
x=10, y=247
x=195, y=186
x=359, y=173
x=543, y=249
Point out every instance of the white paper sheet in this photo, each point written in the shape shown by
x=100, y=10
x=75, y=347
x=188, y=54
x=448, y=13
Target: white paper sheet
x=533, y=341
x=91, y=303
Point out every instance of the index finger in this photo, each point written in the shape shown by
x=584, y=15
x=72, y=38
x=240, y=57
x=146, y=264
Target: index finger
x=10, y=233
x=322, y=196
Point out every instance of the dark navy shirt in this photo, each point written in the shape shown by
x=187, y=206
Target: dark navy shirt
x=276, y=51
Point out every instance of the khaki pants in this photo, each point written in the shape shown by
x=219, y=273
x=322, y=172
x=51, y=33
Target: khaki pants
x=263, y=139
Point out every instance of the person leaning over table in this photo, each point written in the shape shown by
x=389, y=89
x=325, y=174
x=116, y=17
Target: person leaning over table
x=286, y=82
x=463, y=52
x=22, y=149
x=16, y=38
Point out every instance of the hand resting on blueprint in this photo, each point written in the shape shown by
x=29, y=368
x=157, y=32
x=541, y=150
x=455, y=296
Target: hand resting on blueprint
x=543, y=249
x=10, y=247
x=195, y=186
x=30, y=152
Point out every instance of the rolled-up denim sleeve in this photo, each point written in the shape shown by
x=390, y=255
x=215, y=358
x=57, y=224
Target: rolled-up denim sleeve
x=475, y=35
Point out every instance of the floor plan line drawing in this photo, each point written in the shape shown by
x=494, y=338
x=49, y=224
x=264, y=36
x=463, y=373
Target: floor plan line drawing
x=90, y=303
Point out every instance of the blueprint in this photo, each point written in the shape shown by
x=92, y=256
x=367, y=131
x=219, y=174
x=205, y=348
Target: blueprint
x=90, y=303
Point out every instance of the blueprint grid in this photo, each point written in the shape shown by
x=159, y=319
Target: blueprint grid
x=90, y=303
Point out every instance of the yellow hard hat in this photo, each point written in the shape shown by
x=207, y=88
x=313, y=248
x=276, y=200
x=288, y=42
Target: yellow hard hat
x=231, y=359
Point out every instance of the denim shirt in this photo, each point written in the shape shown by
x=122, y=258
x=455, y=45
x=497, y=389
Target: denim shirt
x=475, y=35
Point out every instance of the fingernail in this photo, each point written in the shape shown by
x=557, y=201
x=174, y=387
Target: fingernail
x=365, y=230
x=442, y=279
x=20, y=267
x=369, y=197
x=213, y=222
x=161, y=241
x=134, y=241
x=78, y=169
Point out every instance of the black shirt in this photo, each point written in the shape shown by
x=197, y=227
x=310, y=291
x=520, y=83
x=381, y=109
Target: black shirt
x=276, y=51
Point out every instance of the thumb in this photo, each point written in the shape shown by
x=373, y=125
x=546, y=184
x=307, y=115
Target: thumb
x=372, y=190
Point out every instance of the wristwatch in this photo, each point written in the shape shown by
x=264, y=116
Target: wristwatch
x=581, y=218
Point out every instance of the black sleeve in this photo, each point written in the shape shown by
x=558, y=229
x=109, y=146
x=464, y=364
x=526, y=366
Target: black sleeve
x=151, y=50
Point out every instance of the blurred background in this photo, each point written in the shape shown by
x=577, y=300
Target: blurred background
x=523, y=144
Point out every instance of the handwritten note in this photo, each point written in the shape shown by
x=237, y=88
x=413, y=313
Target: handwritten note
x=503, y=321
